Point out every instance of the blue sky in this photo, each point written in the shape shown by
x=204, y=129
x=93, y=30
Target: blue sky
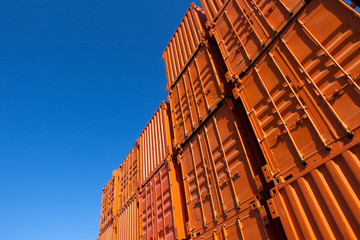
x=79, y=80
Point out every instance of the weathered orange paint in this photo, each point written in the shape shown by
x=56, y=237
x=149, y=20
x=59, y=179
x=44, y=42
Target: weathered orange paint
x=155, y=142
x=184, y=43
x=245, y=28
x=323, y=201
x=302, y=96
x=109, y=206
x=162, y=213
x=127, y=221
x=198, y=90
x=218, y=170
x=129, y=177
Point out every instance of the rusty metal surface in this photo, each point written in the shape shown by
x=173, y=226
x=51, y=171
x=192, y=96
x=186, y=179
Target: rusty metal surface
x=161, y=213
x=196, y=93
x=155, y=142
x=302, y=96
x=246, y=27
x=219, y=180
x=323, y=202
x=129, y=176
x=109, y=201
x=126, y=223
x=184, y=43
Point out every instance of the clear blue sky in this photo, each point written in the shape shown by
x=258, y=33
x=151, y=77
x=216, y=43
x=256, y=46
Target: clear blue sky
x=78, y=82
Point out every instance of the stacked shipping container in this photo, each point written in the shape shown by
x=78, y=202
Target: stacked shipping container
x=261, y=136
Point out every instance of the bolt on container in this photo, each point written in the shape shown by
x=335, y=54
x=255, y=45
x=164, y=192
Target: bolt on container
x=184, y=43
x=221, y=170
x=162, y=210
x=197, y=92
x=323, y=201
x=127, y=221
x=109, y=203
x=245, y=28
x=129, y=177
x=302, y=96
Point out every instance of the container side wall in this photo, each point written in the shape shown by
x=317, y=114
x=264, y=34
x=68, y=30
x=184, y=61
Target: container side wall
x=184, y=43
x=197, y=92
x=218, y=176
x=161, y=216
x=155, y=142
x=107, y=233
x=127, y=222
x=323, y=203
x=246, y=27
x=128, y=177
x=303, y=96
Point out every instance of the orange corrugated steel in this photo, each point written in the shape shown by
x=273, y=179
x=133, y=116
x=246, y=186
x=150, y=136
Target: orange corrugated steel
x=129, y=177
x=213, y=8
x=127, y=222
x=162, y=213
x=219, y=169
x=109, y=203
x=107, y=232
x=184, y=43
x=246, y=27
x=198, y=90
x=155, y=142
x=322, y=202
x=249, y=224
x=303, y=95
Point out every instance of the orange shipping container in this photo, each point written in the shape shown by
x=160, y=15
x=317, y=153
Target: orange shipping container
x=127, y=222
x=162, y=210
x=184, y=43
x=249, y=224
x=107, y=232
x=129, y=177
x=322, y=202
x=109, y=201
x=246, y=27
x=155, y=142
x=220, y=166
x=303, y=95
x=197, y=92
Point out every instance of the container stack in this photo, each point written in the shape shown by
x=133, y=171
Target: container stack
x=260, y=138
x=296, y=66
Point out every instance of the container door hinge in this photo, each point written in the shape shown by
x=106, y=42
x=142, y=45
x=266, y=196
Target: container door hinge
x=269, y=176
x=258, y=183
x=272, y=208
x=256, y=205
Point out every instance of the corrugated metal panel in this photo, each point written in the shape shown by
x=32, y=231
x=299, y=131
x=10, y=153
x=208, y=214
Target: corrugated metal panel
x=247, y=225
x=155, y=142
x=109, y=200
x=219, y=179
x=161, y=212
x=107, y=232
x=213, y=8
x=184, y=43
x=246, y=27
x=323, y=202
x=196, y=93
x=303, y=95
x=129, y=179
x=127, y=221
